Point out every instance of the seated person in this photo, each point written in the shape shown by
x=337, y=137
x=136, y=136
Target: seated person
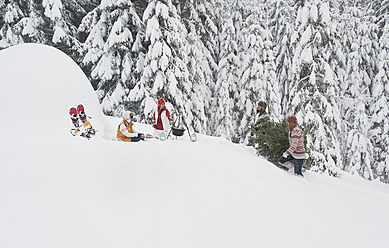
x=126, y=132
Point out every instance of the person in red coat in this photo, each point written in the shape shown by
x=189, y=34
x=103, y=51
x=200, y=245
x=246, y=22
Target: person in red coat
x=161, y=120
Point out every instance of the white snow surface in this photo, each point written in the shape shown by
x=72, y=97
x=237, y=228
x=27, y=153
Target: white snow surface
x=57, y=190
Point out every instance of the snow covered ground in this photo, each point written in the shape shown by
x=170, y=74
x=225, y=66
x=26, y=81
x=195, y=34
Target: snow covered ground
x=57, y=190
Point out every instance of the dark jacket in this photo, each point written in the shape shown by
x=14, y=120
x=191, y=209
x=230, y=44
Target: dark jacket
x=260, y=118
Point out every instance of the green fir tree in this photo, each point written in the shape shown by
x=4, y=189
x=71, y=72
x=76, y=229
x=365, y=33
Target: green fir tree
x=272, y=140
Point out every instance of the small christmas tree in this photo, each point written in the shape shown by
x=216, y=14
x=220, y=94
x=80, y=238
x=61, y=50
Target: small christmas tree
x=272, y=140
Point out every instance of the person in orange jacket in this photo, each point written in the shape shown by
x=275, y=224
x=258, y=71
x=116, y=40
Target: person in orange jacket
x=161, y=120
x=126, y=132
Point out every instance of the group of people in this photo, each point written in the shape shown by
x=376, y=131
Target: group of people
x=162, y=122
x=296, y=150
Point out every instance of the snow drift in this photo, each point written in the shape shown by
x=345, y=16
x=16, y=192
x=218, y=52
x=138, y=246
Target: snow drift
x=39, y=85
x=57, y=190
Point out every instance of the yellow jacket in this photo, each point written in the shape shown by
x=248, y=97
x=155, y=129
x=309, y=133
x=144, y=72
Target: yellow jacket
x=120, y=135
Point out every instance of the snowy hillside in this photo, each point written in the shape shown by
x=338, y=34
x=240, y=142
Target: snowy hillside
x=58, y=191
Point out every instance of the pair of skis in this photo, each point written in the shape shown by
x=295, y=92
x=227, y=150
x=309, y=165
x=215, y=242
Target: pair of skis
x=75, y=116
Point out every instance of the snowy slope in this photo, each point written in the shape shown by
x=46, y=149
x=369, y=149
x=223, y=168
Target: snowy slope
x=62, y=191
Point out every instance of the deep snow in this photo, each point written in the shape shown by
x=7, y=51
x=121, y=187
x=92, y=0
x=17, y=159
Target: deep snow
x=57, y=190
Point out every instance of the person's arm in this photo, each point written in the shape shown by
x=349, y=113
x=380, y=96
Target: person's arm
x=263, y=118
x=169, y=118
x=154, y=120
x=168, y=115
x=125, y=132
x=260, y=120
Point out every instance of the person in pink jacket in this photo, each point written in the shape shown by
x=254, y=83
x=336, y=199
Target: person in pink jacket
x=161, y=120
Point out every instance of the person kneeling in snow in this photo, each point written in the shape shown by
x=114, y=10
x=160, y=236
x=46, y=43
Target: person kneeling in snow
x=161, y=120
x=126, y=132
x=296, y=150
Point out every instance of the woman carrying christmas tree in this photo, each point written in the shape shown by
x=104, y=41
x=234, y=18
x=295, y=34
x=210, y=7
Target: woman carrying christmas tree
x=296, y=150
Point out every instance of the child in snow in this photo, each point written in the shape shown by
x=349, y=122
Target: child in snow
x=126, y=132
x=296, y=150
x=161, y=120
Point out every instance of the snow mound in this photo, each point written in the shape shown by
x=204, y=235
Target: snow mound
x=35, y=102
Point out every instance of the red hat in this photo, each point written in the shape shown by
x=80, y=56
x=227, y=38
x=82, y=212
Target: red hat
x=160, y=101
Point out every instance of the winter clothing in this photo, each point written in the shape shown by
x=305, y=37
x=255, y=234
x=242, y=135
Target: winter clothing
x=260, y=118
x=127, y=115
x=296, y=144
x=262, y=104
x=160, y=101
x=161, y=120
x=161, y=134
x=126, y=132
x=296, y=150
